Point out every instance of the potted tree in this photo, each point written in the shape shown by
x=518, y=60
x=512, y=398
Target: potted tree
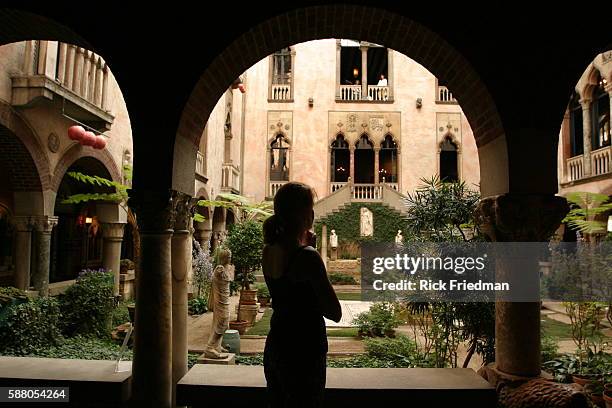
x=263, y=294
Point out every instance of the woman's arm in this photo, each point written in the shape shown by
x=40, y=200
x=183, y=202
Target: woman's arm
x=326, y=297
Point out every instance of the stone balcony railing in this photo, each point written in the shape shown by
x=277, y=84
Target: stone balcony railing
x=354, y=93
x=335, y=186
x=367, y=192
x=78, y=77
x=230, y=178
x=445, y=95
x=280, y=92
x=600, y=161
x=273, y=187
x=575, y=168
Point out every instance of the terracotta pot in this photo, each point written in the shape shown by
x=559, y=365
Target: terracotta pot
x=239, y=325
x=597, y=400
x=263, y=301
x=248, y=297
x=607, y=397
x=583, y=379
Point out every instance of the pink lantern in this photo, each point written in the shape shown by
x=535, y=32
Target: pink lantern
x=100, y=143
x=89, y=139
x=76, y=132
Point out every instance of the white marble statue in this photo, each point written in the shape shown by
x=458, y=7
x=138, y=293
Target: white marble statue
x=367, y=222
x=223, y=274
x=399, y=238
x=333, y=239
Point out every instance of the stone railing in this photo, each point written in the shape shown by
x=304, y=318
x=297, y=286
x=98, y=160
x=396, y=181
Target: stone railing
x=350, y=92
x=575, y=168
x=445, y=95
x=600, y=160
x=281, y=92
x=230, y=178
x=367, y=192
x=200, y=165
x=394, y=186
x=336, y=186
x=274, y=186
x=77, y=75
x=378, y=93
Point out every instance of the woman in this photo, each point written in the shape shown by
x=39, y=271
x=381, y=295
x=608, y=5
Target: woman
x=296, y=347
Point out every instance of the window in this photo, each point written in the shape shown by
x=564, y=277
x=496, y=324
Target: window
x=601, y=115
x=576, y=135
x=340, y=160
x=281, y=75
x=360, y=64
x=364, y=160
x=449, y=171
x=387, y=160
x=279, y=159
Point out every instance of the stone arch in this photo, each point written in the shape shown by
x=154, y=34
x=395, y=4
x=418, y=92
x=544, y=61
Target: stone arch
x=76, y=152
x=352, y=21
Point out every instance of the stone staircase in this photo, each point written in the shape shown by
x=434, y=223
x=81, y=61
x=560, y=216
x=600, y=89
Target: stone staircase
x=359, y=193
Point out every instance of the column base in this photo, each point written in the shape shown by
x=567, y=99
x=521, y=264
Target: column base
x=519, y=392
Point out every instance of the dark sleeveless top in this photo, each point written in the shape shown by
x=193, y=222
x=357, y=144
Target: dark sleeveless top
x=297, y=323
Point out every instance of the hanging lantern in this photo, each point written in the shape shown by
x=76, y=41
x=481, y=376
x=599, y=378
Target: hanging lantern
x=100, y=143
x=76, y=132
x=89, y=139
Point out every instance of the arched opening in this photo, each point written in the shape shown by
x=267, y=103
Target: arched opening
x=76, y=241
x=449, y=164
x=388, y=161
x=340, y=162
x=576, y=126
x=279, y=159
x=364, y=160
x=600, y=114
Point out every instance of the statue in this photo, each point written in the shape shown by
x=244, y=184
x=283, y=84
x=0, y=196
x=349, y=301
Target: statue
x=399, y=238
x=223, y=274
x=367, y=222
x=333, y=243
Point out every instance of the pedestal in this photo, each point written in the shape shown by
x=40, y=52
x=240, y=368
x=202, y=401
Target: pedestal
x=229, y=360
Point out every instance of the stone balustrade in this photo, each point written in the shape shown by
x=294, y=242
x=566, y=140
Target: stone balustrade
x=378, y=93
x=575, y=168
x=445, y=95
x=200, y=165
x=600, y=160
x=367, y=192
x=230, y=177
x=336, y=186
x=274, y=186
x=281, y=92
x=350, y=92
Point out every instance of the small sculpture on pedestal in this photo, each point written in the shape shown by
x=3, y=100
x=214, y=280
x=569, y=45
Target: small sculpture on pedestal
x=399, y=238
x=223, y=274
x=333, y=243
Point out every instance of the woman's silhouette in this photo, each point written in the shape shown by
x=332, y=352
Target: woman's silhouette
x=296, y=347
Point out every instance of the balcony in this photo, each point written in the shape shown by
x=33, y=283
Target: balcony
x=281, y=93
x=79, y=78
x=353, y=93
x=444, y=95
x=200, y=169
x=273, y=187
x=230, y=178
x=600, y=161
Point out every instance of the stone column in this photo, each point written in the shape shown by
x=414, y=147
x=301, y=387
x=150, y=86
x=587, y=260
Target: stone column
x=364, y=72
x=181, y=265
x=352, y=163
x=390, y=73
x=202, y=235
x=519, y=218
x=40, y=278
x=112, y=235
x=376, y=164
x=152, y=363
x=586, y=135
x=338, y=66
x=608, y=89
x=23, y=250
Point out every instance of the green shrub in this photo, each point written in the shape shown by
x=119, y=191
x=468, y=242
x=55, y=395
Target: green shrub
x=87, y=306
x=120, y=314
x=262, y=290
x=337, y=278
x=550, y=348
x=198, y=306
x=10, y=294
x=31, y=326
x=245, y=240
x=379, y=321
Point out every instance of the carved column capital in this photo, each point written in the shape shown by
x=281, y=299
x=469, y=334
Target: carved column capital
x=44, y=223
x=184, y=207
x=155, y=210
x=112, y=231
x=521, y=217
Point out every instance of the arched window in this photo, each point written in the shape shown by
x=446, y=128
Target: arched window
x=601, y=115
x=576, y=135
x=364, y=160
x=340, y=160
x=279, y=159
x=387, y=160
x=449, y=170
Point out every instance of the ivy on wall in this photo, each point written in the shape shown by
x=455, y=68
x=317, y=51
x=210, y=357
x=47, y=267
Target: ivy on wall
x=346, y=222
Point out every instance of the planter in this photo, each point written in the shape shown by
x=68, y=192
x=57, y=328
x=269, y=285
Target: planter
x=248, y=313
x=132, y=311
x=248, y=297
x=583, y=379
x=240, y=325
x=607, y=396
x=264, y=301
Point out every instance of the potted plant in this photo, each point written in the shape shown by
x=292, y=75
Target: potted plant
x=240, y=325
x=263, y=294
